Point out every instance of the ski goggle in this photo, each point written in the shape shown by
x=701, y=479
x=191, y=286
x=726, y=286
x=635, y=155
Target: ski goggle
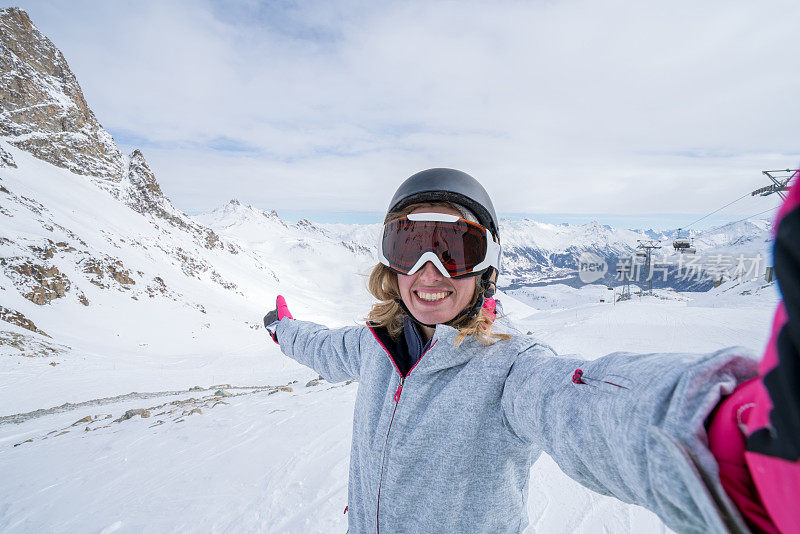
x=457, y=247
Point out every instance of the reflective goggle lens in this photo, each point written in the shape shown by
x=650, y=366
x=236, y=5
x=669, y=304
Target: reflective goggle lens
x=459, y=245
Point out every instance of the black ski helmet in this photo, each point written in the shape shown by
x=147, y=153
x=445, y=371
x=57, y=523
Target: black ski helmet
x=448, y=185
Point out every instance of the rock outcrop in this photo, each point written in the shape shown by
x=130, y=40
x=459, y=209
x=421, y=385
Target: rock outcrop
x=44, y=283
x=6, y=160
x=42, y=108
x=144, y=195
x=19, y=319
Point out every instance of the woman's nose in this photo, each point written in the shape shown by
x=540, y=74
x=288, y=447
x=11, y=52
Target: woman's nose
x=430, y=272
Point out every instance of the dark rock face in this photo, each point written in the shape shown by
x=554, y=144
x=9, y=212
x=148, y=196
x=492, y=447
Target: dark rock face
x=17, y=318
x=5, y=159
x=142, y=179
x=99, y=269
x=42, y=108
x=43, y=111
x=46, y=282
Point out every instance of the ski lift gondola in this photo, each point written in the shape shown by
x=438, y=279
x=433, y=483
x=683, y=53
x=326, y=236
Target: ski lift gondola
x=683, y=244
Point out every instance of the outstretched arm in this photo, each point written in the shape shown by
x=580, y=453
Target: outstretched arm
x=335, y=354
x=632, y=426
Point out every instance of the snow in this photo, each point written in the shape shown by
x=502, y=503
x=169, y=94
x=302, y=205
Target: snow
x=273, y=456
x=559, y=238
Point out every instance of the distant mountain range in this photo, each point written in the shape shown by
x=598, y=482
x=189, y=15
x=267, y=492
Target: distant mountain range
x=537, y=253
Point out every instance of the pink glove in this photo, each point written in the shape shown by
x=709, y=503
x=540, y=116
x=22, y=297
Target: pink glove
x=271, y=319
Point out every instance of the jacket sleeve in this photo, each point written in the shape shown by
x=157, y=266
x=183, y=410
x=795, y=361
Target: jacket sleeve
x=335, y=354
x=632, y=427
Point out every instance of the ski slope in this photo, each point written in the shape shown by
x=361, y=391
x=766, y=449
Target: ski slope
x=273, y=456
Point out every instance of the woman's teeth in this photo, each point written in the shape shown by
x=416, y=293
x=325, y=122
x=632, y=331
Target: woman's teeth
x=430, y=297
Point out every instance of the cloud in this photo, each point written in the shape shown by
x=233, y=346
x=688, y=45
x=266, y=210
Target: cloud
x=557, y=106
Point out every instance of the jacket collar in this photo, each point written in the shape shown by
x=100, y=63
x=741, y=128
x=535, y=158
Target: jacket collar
x=441, y=354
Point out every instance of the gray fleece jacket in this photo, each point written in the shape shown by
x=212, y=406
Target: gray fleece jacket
x=449, y=447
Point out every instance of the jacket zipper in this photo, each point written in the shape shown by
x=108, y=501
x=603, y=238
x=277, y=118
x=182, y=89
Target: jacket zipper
x=385, y=444
x=397, y=393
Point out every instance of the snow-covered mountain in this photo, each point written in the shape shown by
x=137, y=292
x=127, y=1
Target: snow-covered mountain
x=95, y=259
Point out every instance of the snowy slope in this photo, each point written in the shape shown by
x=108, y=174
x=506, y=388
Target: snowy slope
x=272, y=460
x=137, y=294
x=312, y=264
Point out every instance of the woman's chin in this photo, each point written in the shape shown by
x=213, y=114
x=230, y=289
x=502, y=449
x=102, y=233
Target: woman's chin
x=433, y=317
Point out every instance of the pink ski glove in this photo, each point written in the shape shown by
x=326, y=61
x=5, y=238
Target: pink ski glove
x=271, y=319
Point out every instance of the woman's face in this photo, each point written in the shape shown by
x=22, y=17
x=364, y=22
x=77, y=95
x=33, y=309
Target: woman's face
x=431, y=297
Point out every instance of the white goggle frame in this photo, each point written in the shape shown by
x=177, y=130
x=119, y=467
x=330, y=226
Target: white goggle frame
x=491, y=259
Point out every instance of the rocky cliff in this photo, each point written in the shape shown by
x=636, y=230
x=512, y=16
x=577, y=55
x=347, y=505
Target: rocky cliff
x=86, y=231
x=42, y=108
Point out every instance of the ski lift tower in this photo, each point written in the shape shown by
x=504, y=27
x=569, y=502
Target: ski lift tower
x=625, y=276
x=647, y=245
x=780, y=182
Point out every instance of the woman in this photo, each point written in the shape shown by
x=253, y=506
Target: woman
x=452, y=409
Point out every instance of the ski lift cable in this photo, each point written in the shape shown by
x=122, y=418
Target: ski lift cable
x=756, y=215
x=746, y=218
x=795, y=175
x=715, y=211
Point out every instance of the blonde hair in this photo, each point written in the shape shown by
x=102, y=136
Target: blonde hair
x=387, y=313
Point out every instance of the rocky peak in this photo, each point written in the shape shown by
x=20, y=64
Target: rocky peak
x=235, y=206
x=308, y=226
x=42, y=108
x=141, y=176
x=143, y=194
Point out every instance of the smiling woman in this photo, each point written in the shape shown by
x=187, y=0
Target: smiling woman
x=450, y=415
x=439, y=257
x=429, y=295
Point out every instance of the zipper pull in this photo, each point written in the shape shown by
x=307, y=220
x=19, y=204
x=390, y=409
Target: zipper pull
x=578, y=378
x=399, y=390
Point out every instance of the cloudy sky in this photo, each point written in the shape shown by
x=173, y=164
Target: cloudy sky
x=640, y=110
